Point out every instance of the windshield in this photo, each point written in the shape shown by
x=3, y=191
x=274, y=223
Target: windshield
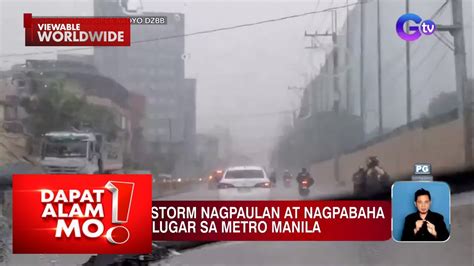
x=65, y=148
x=243, y=174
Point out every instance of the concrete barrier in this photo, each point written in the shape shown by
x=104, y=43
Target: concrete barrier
x=441, y=145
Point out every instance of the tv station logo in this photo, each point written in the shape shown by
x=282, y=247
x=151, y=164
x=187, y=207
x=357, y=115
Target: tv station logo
x=105, y=214
x=414, y=32
x=422, y=172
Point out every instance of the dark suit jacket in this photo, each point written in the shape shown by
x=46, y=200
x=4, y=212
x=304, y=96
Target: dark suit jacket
x=423, y=235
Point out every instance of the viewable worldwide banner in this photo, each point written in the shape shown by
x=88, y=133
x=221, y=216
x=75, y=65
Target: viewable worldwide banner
x=76, y=31
x=105, y=214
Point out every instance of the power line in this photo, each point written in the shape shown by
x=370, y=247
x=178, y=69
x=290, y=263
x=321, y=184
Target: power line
x=417, y=92
x=418, y=64
x=439, y=10
x=246, y=25
x=327, y=15
x=445, y=42
x=439, y=36
x=436, y=66
x=427, y=55
x=393, y=59
x=315, y=9
x=251, y=24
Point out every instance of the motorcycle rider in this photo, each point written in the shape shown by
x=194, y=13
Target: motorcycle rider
x=376, y=177
x=360, y=181
x=287, y=177
x=273, y=177
x=304, y=175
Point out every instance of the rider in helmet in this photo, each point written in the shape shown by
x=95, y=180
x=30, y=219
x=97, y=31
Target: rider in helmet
x=305, y=175
x=287, y=174
x=273, y=178
x=359, y=179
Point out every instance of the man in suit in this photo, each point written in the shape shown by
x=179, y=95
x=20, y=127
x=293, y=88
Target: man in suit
x=424, y=225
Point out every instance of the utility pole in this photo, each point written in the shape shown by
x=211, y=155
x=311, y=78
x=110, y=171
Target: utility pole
x=336, y=108
x=407, y=52
x=348, y=76
x=298, y=91
x=464, y=93
x=333, y=34
x=362, y=89
x=336, y=61
x=379, y=70
x=336, y=92
x=170, y=130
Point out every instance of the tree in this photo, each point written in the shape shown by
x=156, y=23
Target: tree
x=55, y=108
x=100, y=118
x=446, y=101
x=443, y=103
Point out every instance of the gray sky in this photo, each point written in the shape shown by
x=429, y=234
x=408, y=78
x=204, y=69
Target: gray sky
x=247, y=71
x=244, y=71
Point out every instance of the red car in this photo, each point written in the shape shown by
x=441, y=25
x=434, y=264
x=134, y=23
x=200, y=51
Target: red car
x=214, y=179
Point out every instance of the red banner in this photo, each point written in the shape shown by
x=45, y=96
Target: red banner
x=105, y=214
x=271, y=220
x=76, y=31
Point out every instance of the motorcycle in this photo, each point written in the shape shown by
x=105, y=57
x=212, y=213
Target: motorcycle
x=304, y=188
x=376, y=177
x=287, y=181
x=273, y=181
x=214, y=179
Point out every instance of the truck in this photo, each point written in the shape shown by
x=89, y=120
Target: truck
x=69, y=152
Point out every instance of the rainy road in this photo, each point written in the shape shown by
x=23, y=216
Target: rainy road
x=277, y=193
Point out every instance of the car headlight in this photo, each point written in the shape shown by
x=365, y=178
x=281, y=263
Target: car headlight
x=179, y=179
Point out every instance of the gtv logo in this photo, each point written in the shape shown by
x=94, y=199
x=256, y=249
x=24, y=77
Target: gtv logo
x=426, y=27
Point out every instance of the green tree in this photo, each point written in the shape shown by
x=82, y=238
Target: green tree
x=55, y=108
x=100, y=118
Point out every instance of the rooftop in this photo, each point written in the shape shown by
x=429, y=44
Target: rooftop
x=70, y=134
x=237, y=168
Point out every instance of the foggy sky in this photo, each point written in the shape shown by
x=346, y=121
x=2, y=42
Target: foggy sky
x=241, y=72
x=247, y=71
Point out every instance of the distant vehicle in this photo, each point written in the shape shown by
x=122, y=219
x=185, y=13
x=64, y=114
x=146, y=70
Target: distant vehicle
x=377, y=178
x=303, y=188
x=214, y=179
x=165, y=178
x=273, y=178
x=287, y=179
x=305, y=181
x=244, y=182
x=69, y=152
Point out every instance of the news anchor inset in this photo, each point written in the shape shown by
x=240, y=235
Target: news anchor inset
x=426, y=221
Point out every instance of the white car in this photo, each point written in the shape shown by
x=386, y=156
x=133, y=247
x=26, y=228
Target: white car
x=244, y=182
